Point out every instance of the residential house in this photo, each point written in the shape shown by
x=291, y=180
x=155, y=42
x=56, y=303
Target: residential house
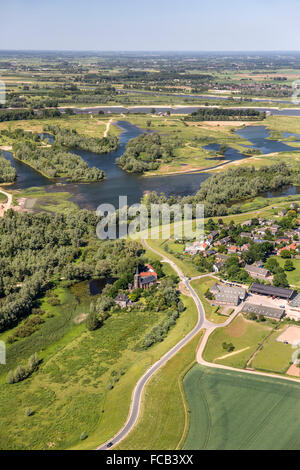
x=248, y=223
x=221, y=257
x=274, y=229
x=282, y=212
x=256, y=272
x=122, y=300
x=245, y=235
x=232, y=249
x=212, y=235
x=244, y=247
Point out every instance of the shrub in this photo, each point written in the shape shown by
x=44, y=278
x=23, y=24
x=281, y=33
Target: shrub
x=28, y=412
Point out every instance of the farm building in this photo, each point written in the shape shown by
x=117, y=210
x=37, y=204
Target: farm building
x=228, y=295
x=272, y=291
x=268, y=312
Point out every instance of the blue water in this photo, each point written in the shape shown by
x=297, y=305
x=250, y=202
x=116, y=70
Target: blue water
x=119, y=183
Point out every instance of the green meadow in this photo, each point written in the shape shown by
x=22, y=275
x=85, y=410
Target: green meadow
x=231, y=411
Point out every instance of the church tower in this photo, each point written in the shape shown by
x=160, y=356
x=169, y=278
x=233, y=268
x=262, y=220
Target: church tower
x=137, y=279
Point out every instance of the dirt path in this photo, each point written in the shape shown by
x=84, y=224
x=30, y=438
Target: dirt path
x=232, y=353
x=107, y=127
x=4, y=207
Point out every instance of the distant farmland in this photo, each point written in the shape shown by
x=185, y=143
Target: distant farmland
x=232, y=410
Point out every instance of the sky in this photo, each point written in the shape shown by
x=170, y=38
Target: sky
x=152, y=25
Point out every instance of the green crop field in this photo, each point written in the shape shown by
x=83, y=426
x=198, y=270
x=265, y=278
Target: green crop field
x=232, y=410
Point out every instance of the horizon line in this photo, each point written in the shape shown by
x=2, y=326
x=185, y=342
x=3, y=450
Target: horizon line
x=156, y=50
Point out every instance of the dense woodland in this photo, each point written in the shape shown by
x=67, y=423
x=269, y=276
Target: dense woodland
x=56, y=162
x=70, y=138
x=221, y=190
x=7, y=171
x=146, y=152
x=39, y=249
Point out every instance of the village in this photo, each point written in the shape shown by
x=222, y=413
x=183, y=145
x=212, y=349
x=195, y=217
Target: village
x=250, y=262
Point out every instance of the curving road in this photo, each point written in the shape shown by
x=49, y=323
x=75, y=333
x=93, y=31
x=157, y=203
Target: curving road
x=201, y=323
x=139, y=388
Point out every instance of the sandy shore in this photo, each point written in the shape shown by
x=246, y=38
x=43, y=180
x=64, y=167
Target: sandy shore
x=6, y=148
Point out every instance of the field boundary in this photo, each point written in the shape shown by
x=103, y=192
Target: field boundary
x=187, y=410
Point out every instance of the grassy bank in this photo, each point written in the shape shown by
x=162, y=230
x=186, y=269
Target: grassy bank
x=164, y=417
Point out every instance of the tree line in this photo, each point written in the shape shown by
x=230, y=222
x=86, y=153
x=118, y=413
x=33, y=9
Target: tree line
x=226, y=114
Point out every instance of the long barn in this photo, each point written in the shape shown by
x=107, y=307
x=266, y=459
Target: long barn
x=279, y=292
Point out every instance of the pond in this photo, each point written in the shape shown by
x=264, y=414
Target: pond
x=97, y=285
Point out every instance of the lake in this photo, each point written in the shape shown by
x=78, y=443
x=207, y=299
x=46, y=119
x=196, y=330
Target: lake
x=118, y=182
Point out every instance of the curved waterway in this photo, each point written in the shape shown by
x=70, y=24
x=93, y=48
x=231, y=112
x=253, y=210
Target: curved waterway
x=117, y=181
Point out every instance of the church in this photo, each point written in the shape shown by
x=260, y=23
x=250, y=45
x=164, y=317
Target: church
x=144, y=279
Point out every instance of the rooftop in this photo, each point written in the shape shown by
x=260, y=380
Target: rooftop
x=270, y=312
x=272, y=291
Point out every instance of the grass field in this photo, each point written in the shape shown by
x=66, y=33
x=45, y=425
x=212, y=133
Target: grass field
x=293, y=276
x=90, y=125
x=3, y=198
x=274, y=356
x=232, y=410
x=164, y=420
x=37, y=199
x=245, y=335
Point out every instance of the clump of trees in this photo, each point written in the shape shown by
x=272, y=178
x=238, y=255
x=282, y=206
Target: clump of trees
x=70, y=138
x=21, y=372
x=146, y=152
x=165, y=297
x=55, y=162
x=7, y=171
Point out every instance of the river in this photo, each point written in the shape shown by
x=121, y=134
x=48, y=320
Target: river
x=118, y=182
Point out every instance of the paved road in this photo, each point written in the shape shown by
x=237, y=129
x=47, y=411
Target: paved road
x=201, y=323
x=139, y=388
